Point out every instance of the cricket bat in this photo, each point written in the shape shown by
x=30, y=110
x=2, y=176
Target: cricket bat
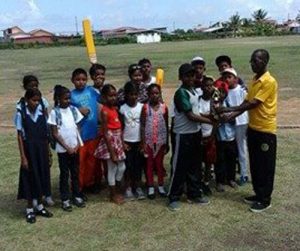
x=160, y=76
x=89, y=41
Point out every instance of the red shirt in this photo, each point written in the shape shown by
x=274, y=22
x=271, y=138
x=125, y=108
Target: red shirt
x=113, y=121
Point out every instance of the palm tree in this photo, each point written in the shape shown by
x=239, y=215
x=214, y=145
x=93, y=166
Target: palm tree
x=235, y=23
x=246, y=22
x=259, y=15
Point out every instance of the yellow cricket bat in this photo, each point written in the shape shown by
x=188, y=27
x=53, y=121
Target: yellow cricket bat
x=89, y=41
x=160, y=76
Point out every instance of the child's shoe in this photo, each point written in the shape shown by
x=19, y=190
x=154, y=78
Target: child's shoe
x=206, y=190
x=30, y=216
x=198, y=200
x=129, y=195
x=140, y=194
x=243, y=180
x=162, y=192
x=66, y=205
x=78, y=202
x=151, y=193
x=44, y=213
x=220, y=188
x=174, y=206
x=233, y=184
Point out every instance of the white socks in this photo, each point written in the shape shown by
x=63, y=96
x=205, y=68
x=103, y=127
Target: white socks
x=29, y=210
x=161, y=189
x=150, y=190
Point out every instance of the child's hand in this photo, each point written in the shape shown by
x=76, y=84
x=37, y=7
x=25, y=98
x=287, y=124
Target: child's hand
x=24, y=163
x=126, y=147
x=114, y=158
x=85, y=111
x=70, y=150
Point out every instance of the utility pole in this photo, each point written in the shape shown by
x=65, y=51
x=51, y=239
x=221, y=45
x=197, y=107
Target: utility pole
x=76, y=25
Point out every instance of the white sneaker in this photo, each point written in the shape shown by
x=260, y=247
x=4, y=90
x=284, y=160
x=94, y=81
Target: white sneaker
x=140, y=194
x=162, y=192
x=128, y=194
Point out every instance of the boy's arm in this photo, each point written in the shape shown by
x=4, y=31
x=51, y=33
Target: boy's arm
x=24, y=161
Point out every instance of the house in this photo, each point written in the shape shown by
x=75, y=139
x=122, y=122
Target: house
x=19, y=36
x=142, y=35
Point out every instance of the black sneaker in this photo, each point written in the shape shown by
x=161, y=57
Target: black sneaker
x=44, y=213
x=66, y=206
x=78, y=202
x=250, y=200
x=30, y=217
x=259, y=207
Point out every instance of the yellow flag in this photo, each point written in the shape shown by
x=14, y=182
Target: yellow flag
x=160, y=77
x=89, y=41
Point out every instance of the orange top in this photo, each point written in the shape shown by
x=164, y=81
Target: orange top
x=113, y=121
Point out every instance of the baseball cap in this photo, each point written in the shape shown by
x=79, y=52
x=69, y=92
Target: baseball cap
x=229, y=70
x=185, y=68
x=198, y=59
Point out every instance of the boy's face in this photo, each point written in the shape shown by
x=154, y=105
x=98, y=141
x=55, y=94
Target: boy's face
x=79, y=81
x=188, y=78
x=146, y=68
x=230, y=79
x=199, y=70
x=223, y=65
x=207, y=87
x=98, y=78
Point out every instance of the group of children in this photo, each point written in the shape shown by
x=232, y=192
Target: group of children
x=119, y=134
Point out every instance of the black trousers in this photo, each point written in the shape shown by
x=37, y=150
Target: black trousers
x=186, y=166
x=262, y=156
x=135, y=164
x=68, y=164
x=226, y=161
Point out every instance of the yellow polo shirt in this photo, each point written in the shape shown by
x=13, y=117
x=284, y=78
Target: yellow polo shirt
x=263, y=117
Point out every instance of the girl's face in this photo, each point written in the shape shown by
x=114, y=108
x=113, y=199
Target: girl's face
x=136, y=77
x=32, y=85
x=79, y=81
x=131, y=98
x=64, y=100
x=33, y=102
x=98, y=78
x=111, y=97
x=154, y=95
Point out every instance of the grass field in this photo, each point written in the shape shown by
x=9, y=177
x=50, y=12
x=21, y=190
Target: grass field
x=225, y=224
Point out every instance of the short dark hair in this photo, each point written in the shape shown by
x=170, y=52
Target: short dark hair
x=106, y=88
x=31, y=93
x=207, y=79
x=130, y=87
x=152, y=86
x=184, y=69
x=264, y=53
x=78, y=71
x=223, y=58
x=96, y=67
x=144, y=61
x=29, y=78
x=59, y=91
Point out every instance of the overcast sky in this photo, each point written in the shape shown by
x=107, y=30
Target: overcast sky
x=59, y=15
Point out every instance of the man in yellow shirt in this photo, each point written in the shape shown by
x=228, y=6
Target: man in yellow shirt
x=261, y=102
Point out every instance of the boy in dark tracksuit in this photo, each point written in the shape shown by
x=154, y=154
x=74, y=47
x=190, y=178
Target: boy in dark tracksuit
x=186, y=166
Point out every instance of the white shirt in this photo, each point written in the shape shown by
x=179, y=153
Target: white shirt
x=152, y=81
x=204, y=108
x=235, y=97
x=132, y=117
x=68, y=129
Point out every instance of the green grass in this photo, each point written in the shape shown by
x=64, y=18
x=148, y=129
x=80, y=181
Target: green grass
x=225, y=224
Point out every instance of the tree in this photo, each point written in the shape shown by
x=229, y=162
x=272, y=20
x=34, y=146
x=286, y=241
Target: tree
x=259, y=15
x=246, y=22
x=235, y=23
